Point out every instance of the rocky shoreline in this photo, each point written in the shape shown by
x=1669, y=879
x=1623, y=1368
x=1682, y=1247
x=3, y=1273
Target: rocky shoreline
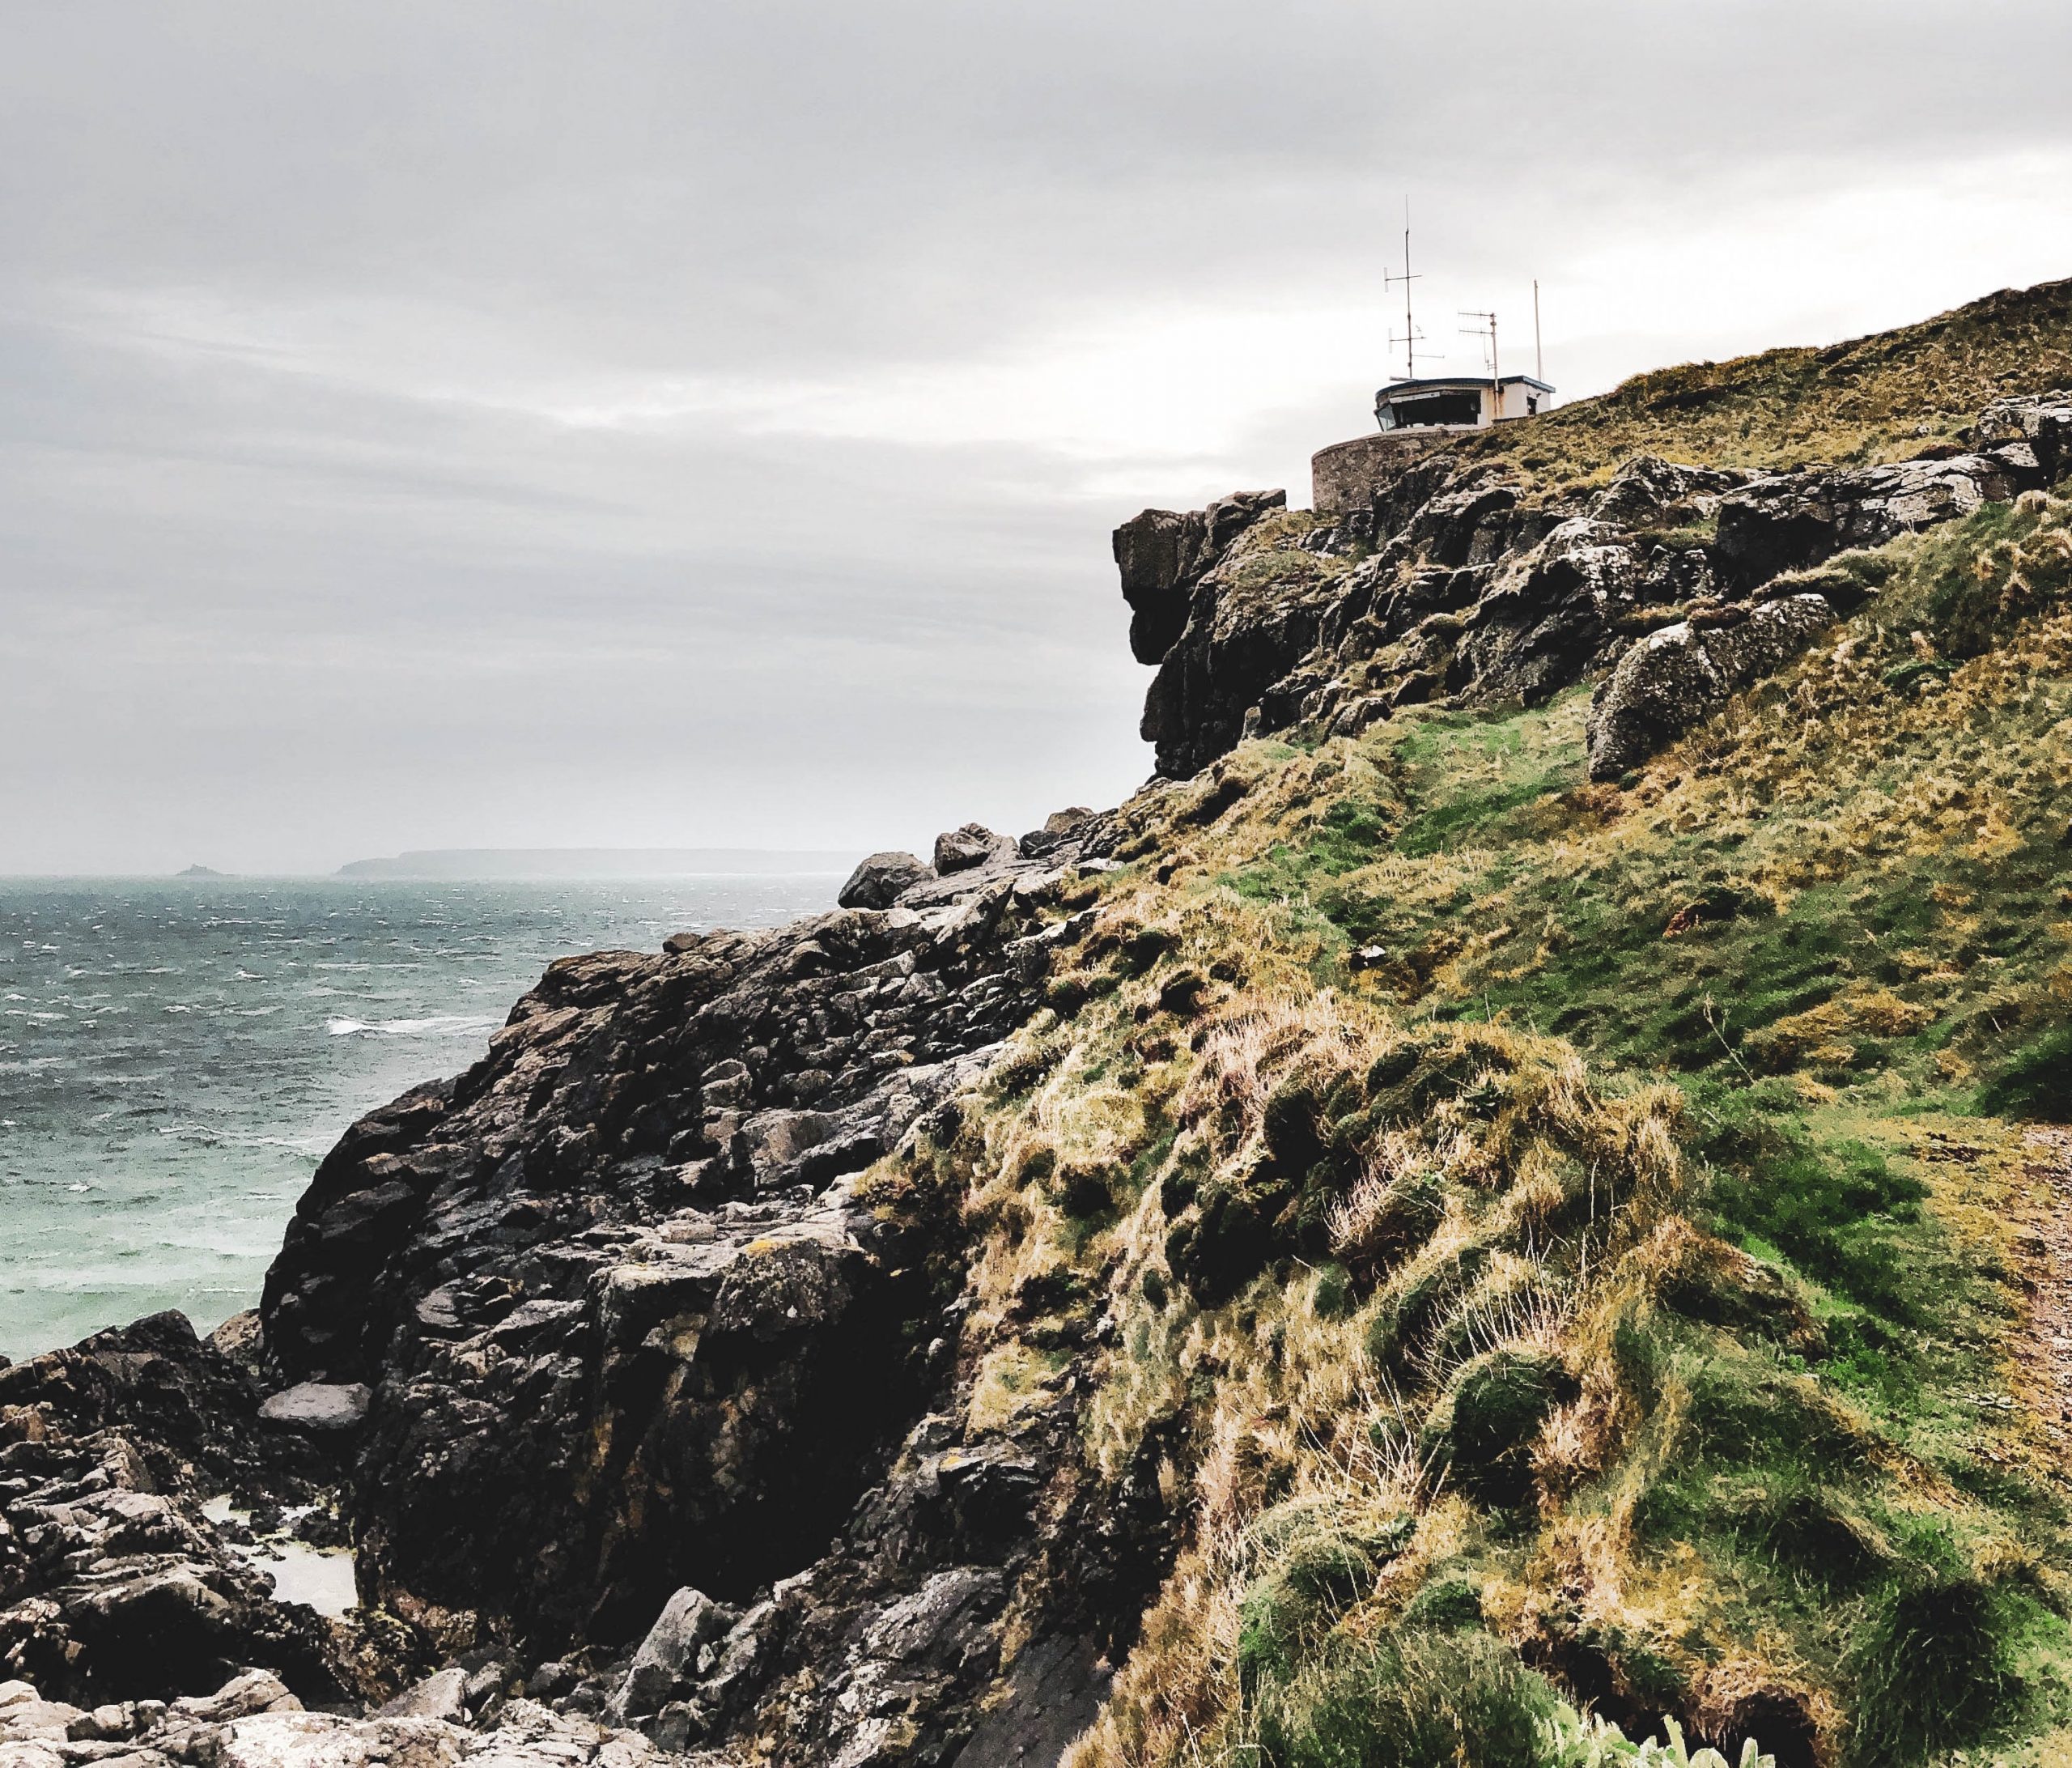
x=639, y=1412
x=643, y=1397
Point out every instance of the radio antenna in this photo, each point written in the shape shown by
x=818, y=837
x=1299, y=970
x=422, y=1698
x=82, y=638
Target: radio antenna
x=1539, y=359
x=1496, y=374
x=1410, y=335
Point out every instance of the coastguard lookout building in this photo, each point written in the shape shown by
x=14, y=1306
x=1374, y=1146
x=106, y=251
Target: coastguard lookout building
x=1459, y=403
x=1414, y=417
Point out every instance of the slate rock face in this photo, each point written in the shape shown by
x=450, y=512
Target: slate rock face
x=113, y=1584
x=1451, y=587
x=1163, y=554
x=612, y=1289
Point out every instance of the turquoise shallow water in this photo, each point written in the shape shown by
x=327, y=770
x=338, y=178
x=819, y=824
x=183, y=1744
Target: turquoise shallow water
x=175, y=1057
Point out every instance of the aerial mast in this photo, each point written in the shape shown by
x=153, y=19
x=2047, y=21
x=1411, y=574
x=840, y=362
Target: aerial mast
x=1539, y=359
x=1410, y=335
x=1496, y=374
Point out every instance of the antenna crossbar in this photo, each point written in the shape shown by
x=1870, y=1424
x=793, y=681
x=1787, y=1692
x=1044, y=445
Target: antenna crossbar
x=1487, y=330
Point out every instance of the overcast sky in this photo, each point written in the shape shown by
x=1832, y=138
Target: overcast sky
x=526, y=423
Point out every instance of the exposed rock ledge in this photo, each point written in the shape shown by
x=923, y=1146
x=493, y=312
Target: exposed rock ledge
x=1453, y=587
x=643, y=1419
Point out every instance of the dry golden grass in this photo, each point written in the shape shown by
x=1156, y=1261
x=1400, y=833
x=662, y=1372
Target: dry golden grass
x=1564, y=1226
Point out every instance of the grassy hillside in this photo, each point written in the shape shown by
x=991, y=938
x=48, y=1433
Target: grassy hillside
x=1567, y=1247
x=1883, y=397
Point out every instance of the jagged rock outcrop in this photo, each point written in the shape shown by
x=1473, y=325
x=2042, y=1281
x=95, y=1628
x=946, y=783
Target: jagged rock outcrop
x=1164, y=554
x=645, y=1366
x=1794, y=520
x=1456, y=587
x=2042, y=425
x=113, y=1583
x=639, y=1407
x=605, y=1298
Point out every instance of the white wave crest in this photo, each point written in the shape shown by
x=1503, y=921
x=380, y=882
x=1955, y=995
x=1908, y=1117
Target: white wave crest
x=437, y=1025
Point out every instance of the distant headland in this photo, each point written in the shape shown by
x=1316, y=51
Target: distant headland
x=598, y=862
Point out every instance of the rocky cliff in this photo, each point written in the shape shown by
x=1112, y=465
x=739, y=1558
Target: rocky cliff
x=1517, y=1179
x=1461, y=585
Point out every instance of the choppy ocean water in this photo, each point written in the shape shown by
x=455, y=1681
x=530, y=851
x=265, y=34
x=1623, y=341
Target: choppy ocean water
x=176, y=1057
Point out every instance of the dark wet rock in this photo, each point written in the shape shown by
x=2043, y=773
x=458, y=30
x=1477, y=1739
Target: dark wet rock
x=647, y=1364
x=613, y=1290
x=1054, y=1692
x=114, y=1585
x=877, y=881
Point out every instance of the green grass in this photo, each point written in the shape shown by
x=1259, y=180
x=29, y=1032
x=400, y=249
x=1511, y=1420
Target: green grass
x=1881, y=397
x=1732, y=1434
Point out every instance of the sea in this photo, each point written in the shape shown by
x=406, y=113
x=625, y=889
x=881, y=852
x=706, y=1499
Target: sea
x=176, y=1057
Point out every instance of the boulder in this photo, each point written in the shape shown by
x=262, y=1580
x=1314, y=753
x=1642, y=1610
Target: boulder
x=775, y=1142
x=2041, y=423
x=1676, y=677
x=238, y=1339
x=1059, y=828
x=877, y=883
x=319, y=1405
x=974, y=845
x=667, y=1660
x=444, y=1695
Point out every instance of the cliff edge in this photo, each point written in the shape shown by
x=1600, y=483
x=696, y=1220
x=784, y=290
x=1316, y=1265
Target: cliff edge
x=1510, y=1201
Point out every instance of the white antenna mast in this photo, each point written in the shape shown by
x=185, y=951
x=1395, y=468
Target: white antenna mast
x=1411, y=334
x=1539, y=359
x=1496, y=374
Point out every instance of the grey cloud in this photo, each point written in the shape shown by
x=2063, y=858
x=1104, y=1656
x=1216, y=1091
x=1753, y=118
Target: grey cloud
x=514, y=423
